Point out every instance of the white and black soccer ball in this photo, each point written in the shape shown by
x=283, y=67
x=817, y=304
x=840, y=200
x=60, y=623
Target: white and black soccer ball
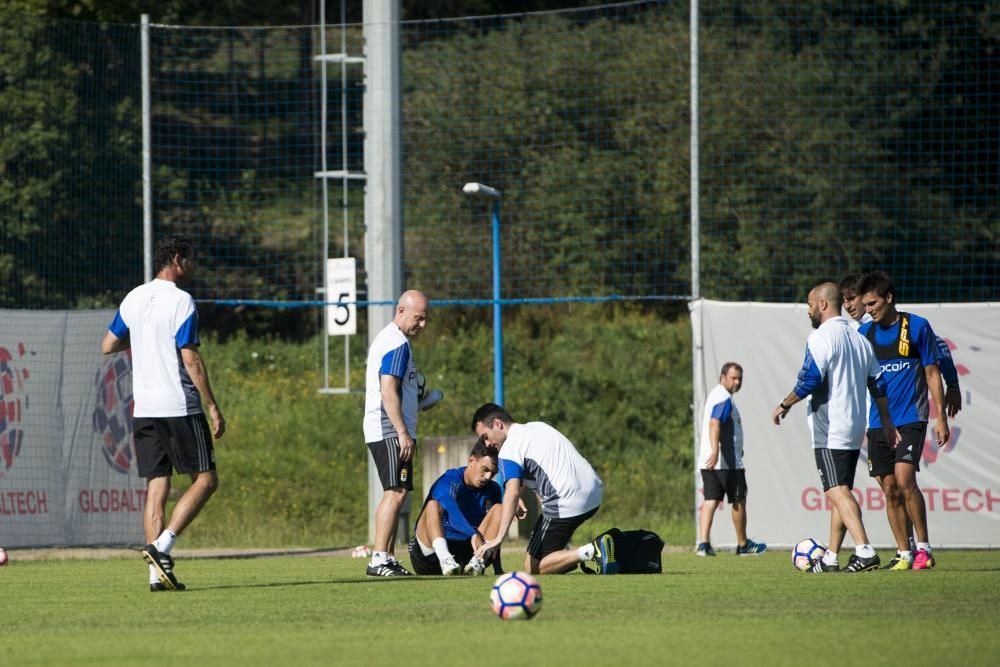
x=516, y=596
x=805, y=552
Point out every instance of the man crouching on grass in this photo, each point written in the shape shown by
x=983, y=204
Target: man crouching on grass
x=460, y=513
x=569, y=488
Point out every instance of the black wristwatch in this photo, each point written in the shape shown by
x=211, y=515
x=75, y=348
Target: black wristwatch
x=783, y=406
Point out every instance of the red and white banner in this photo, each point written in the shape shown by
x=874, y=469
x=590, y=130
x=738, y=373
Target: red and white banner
x=67, y=466
x=960, y=481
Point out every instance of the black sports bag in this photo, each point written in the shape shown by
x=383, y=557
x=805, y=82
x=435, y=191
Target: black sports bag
x=632, y=551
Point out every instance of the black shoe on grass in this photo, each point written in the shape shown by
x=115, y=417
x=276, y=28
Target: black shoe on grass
x=817, y=565
x=390, y=568
x=156, y=587
x=859, y=564
x=164, y=566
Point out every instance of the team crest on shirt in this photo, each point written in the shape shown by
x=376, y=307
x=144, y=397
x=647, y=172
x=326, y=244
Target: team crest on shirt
x=112, y=416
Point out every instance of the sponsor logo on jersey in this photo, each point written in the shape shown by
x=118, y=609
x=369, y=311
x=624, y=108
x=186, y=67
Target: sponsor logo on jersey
x=895, y=366
x=904, y=337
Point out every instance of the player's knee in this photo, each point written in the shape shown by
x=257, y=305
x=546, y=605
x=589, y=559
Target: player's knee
x=393, y=498
x=208, y=482
x=432, y=508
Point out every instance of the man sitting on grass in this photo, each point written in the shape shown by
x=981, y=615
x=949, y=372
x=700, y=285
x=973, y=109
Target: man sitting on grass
x=461, y=512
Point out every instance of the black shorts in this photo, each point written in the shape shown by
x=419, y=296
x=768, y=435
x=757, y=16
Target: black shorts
x=165, y=444
x=717, y=484
x=836, y=466
x=552, y=534
x=882, y=458
x=460, y=549
x=392, y=472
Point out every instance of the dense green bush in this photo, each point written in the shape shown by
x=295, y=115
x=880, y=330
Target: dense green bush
x=616, y=381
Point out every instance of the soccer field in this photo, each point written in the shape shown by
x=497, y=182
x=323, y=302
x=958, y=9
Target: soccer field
x=298, y=610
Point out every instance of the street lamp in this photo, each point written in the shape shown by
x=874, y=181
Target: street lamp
x=478, y=189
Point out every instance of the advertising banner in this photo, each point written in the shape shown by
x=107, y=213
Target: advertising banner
x=67, y=466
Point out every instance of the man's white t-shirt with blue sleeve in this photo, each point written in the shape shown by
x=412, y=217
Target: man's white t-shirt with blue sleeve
x=838, y=365
x=159, y=318
x=389, y=354
x=544, y=459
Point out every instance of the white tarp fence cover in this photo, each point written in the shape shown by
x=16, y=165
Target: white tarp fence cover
x=67, y=468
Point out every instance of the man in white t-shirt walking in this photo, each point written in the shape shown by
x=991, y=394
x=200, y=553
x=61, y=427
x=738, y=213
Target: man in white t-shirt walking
x=721, y=463
x=839, y=365
x=543, y=458
x=390, y=423
x=159, y=323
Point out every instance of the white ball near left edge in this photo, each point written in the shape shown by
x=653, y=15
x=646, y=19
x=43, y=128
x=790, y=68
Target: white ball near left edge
x=3, y=557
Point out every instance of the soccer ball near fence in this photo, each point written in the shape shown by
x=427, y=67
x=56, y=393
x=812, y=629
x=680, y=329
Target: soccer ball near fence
x=516, y=596
x=805, y=552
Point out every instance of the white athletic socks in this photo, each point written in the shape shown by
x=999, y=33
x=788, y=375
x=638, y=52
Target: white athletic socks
x=165, y=542
x=830, y=558
x=864, y=551
x=379, y=558
x=586, y=552
x=906, y=555
x=926, y=546
x=441, y=548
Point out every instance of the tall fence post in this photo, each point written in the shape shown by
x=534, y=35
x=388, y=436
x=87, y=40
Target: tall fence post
x=147, y=155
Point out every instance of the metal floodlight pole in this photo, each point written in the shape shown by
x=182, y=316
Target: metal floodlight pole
x=495, y=195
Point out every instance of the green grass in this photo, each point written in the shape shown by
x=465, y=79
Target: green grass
x=302, y=610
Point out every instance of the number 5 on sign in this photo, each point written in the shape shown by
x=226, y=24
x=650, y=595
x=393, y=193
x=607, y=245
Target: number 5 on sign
x=341, y=292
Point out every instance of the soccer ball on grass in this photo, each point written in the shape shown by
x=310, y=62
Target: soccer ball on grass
x=516, y=596
x=805, y=552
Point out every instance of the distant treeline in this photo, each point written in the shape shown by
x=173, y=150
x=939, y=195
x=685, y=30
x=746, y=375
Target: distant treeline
x=834, y=137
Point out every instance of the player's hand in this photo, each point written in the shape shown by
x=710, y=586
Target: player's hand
x=952, y=401
x=218, y=421
x=941, y=432
x=407, y=447
x=779, y=414
x=521, y=511
x=488, y=548
x=713, y=459
x=892, y=435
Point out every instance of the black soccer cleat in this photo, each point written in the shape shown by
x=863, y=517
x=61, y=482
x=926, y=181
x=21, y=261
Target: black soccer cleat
x=859, y=564
x=390, y=568
x=817, y=565
x=164, y=566
x=156, y=587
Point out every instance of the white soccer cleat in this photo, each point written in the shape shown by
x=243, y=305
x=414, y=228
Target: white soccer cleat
x=450, y=566
x=476, y=567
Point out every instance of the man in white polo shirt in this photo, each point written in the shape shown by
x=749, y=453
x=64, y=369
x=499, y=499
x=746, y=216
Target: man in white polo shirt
x=159, y=323
x=839, y=365
x=390, y=423
x=570, y=490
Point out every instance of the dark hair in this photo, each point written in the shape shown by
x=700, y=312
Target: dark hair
x=850, y=283
x=481, y=449
x=730, y=364
x=169, y=247
x=488, y=412
x=878, y=282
